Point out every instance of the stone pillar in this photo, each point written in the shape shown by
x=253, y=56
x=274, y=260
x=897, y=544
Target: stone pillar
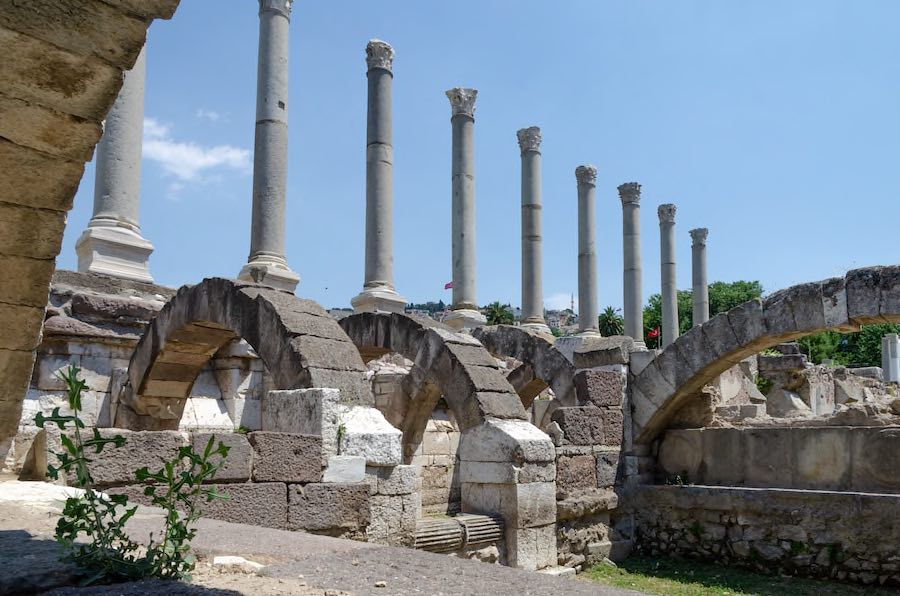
x=667, y=269
x=700, y=287
x=465, y=313
x=890, y=357
x=378, y=294
x=588, y=310
x=532, y=265
x=112, y=243
x=630, y=194
x=266, y=263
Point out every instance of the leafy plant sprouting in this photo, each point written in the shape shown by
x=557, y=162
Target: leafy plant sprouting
x=108, y=554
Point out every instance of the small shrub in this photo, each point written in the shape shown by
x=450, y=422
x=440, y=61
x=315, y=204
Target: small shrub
x=110, y=554
x=764, y=385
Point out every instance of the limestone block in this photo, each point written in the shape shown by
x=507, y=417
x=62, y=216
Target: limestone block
x=864, y=296
x=397, y=480
x=681, y=452
x=600, y=387
x=576, y=474
x=286, y=457
x=506, y=441
x=15, y=370
x=586, y=505
x=436, y=443
x=244, y=413
x=780, y=403
x=607, y=468
x=48, y=369
x=506, y=472
x=41, y=181
x=769, y=457
x=205, y=385
x=27, y=232
x=822, y=457
x=107, y=307
x=345, y=468
x=385, y=520
x=259, y=504
x=783, y=363
x=582, y=425
x=96, y=371
x=204, y=413
x=876, y=459
x=889, y=303
x=31, y=275
x=847, y=391
x=602, y=351
x=94, y=406
x=238, y=462
x=723, y=457
x=115, y=466
x=305, y=411
x=21, y=324
x=531, y=548
x=48, y=131
x=322, y=507
x=370, y=435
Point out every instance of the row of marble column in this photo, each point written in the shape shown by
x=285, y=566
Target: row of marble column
x=113, y=244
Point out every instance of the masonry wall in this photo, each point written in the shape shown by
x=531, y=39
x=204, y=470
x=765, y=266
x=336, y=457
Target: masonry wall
x=841, y=535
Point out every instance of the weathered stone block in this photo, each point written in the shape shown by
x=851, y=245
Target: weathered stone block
x=506, y=441
x=581, y=425
x=31, y=276
x=576, y=474
x=398, y=480
x=259, y=504
x=345, y=468
x=146, y=448
x=328, y=507
x=769, y=457
x=613, y=426
x=680, y=453
x=286, y=457
x=238, y=462
x=607, y=468
x=600, y=387
x=723, y=458
x=531, y=548
x=21, y=324
x=864, y=296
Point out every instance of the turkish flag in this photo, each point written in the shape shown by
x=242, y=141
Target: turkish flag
x=448, y=285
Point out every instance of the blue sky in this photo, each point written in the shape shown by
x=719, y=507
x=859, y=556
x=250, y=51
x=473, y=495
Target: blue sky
x=774, y=124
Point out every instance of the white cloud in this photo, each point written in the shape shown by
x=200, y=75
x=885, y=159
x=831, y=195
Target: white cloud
x=189, y=161
x=559, y=301
x=210, y=115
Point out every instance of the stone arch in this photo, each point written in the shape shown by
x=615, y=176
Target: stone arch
x=863, y=296
x=299, y=342
x=507, y=465
x=548, y=365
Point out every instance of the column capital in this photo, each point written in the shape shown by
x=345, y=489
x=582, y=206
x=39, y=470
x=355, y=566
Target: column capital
x=282, y=7
x=462, y=100
x=586, y=174
x=666, y=213
x=698, y=236
x=630, y=192
x=529, y=139
x=379, y=54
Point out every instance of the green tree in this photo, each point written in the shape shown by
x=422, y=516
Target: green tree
x=498, y=314
x=611, y=322
x=861, y=348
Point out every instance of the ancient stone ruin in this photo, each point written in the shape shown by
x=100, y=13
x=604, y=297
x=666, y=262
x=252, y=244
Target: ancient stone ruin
x=500, y=443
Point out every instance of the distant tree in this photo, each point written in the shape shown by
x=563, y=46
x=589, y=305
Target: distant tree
x=723, y=296
x=611, y=322
x=498, y=314
x=861, y=348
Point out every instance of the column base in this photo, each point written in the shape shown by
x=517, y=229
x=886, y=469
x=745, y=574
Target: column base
x=537, y=328
x=117, y=251
x=379, y=299
x=270, y=273
x=465, y=319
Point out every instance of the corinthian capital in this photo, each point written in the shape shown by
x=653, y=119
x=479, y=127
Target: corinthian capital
x=666, y=213
x=586, y=175
x=529, y=139
x=462, y=100
x=698, y=236
x=630, y=192
x=379, y=54
x=282, y=7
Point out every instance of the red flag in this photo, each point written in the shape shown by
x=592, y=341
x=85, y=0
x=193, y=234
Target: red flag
x=653, y=333
x=448, y=285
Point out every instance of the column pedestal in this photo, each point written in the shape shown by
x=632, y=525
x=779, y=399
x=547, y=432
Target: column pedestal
x=120, y=252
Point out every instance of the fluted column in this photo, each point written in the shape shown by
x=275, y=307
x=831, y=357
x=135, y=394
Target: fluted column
x=588, y=310
x=700, y=287
x=112, y=243
x=532, y=265
x=266, y=263
x=465, y=313
x=378, y=294
x=630, y=195
x=667, y=272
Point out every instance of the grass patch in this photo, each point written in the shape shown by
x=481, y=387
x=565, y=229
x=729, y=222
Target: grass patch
x=666, y=576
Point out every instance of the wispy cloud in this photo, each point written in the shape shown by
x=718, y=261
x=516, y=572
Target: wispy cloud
x=559, y=301
x=211, y=115
x=188, y=161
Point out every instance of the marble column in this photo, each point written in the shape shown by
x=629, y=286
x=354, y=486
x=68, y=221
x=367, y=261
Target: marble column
x=633, y=311
x=588, y=309
x=890, y=357
x=668, y=284
x=112, y=244
x=378, y=294
x=532, y=264
x=700, y=287
x=465, y=313
x=266, y=263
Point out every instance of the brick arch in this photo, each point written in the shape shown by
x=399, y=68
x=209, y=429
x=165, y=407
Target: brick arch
x=298, y=341
x=548, y=365
x=863, y=296
x=444, y=363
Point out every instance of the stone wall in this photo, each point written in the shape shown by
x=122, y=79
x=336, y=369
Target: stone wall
x=846, y=536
